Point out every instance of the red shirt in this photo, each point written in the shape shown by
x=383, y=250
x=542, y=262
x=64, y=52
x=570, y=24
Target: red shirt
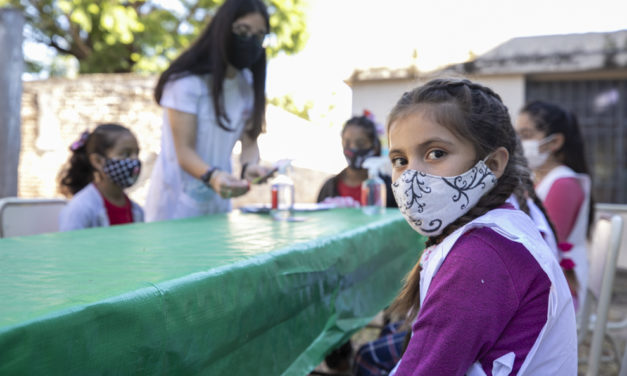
x=348, y=191
x=119, y=215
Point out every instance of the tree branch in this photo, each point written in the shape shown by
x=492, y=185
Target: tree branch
x=54, y=44
x=80, y=49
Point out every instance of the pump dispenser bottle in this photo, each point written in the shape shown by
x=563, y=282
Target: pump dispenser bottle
x=373, y=192
x=282, y=190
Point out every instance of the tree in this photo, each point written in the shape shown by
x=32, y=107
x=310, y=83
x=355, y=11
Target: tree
x=109, y=36
x=287, y=103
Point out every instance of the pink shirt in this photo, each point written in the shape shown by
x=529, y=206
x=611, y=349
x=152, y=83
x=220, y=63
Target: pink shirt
x=562, y=204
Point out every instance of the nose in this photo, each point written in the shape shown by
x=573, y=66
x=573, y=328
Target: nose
x=415, y=164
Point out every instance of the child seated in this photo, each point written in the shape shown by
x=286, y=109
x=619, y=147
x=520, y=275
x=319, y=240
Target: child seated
x=360, y=141
x=103, y=163
x=488, y=295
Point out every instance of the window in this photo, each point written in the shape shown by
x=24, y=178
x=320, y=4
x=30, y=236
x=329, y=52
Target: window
x=601, y=108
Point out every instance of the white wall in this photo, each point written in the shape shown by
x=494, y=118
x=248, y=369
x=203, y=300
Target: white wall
x=511, y=88
x=379, y=96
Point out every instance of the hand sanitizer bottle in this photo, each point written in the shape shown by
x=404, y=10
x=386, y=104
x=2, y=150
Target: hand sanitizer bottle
x=373, y=192
x=282, y=189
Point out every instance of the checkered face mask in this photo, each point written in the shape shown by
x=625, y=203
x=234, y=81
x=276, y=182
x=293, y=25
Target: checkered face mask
x=123, y=172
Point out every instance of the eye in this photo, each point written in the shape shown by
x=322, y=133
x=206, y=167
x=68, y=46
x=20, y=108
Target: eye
x=399, y=162
x=436, y=154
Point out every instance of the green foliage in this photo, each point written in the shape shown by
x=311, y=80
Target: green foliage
x=287, y=103
x=108, y=36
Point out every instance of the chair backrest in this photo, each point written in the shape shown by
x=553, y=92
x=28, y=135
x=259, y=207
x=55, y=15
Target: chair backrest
x=25, y=216
x=603, y=258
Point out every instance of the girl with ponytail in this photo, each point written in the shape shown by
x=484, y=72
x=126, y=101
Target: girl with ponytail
x=103, y=163
x=492, y=297
x=554, y=147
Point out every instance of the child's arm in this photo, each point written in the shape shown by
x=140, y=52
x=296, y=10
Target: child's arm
x=471, y=301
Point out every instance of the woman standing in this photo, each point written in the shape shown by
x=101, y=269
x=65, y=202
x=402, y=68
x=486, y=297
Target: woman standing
x=213, y=95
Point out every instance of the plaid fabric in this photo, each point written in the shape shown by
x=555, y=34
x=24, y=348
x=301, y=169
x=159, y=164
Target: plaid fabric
x=378, y=358
x=123, y=172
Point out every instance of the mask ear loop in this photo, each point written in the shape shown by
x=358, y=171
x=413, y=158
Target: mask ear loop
x=547, y=139
x=485, y=161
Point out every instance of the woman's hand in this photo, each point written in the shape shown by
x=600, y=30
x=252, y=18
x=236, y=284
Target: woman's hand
x=228, y=186
x=257, y=174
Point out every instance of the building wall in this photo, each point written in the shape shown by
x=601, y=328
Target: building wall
x=54, y=113
x=511, y=88
x=379, y=96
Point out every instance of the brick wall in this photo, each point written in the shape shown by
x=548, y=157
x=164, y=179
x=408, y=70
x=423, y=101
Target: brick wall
x=55, y=112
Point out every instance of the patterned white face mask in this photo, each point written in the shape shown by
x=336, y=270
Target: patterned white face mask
x=430, y=203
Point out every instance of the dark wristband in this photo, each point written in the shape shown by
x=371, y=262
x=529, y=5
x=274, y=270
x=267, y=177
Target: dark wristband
x=244, y=166
x=206, y=177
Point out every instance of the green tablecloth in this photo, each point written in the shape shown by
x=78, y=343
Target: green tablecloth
x=234, y=294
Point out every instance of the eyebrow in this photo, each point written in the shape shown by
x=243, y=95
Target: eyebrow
x=426, y=144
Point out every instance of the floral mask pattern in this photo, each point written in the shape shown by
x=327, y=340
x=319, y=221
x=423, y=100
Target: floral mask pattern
x=429, y=203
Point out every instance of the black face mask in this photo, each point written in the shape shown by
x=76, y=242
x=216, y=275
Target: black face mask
x=245, y=51
x=356, y=157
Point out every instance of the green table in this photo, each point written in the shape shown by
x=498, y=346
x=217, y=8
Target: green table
x=235, y=294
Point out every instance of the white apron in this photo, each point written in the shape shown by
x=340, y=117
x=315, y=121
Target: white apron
x=577, y=237
x=555, y=350
x=541, y=223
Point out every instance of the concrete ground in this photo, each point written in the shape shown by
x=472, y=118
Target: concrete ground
x=618, y=312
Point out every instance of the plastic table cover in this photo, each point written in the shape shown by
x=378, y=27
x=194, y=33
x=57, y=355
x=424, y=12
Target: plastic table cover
x=229, y=294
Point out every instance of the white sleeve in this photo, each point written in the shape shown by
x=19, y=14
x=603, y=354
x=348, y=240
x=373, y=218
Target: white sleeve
x=73, y=217
x=183, y=94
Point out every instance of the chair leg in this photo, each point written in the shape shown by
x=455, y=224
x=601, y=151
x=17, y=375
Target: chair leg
x=623, y=366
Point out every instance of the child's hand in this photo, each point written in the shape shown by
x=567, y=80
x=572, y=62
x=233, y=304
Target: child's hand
x=227, y=185
x=342, y=202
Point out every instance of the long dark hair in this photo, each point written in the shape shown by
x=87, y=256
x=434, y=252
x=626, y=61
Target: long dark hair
x=79, y=172
x=209, y=54
x=551, y=119
x=368, y=126
x=476, y=113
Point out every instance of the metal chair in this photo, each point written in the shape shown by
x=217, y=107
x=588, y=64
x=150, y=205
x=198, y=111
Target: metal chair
x=603, y=259
x=29, y=216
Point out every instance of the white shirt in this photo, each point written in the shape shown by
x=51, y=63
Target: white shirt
x=173, y=192
x=87, y=209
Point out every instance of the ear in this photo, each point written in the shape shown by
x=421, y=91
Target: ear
x=97, y=161
x=556, y=143
x=498, y=161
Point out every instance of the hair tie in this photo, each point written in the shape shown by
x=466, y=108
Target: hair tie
x=380, y=129
x=82, y=140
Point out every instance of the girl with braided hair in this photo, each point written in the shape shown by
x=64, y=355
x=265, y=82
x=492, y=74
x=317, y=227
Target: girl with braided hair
x=492, y=297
